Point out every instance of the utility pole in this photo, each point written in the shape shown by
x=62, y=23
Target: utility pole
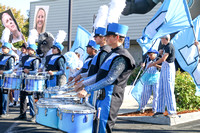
x=69, y=25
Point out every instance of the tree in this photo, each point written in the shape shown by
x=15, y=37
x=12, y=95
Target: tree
x=22, y=22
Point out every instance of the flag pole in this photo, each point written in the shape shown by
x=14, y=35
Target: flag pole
x=190, y=21
x=69, y=25
x=140, y=70
x=135, y=80
x=137, y=77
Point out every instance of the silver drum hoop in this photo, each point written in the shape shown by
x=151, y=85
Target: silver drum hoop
x=76, y=109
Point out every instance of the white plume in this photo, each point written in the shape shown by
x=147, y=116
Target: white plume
x=60, y=36
x=115, y=9
x=5, y=35
x=33, y=36
x=92, y=36
x=101, y=18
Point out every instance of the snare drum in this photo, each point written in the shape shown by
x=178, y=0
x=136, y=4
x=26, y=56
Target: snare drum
x=51, y=91
x=76, y=118
x=58, y=92
x=12, y=81
x=34, y=83
x=72, y=97
x=46, y=112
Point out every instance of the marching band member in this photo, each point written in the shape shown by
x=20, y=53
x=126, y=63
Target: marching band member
x=55, y=63
x=21, y=53
x=167, y=79
x=79, y=65
x=92, y=49
x=6, y=67
x=196, y=43
x=112, y=77
x=30, y=65
x=151, y=78
x=100, y=39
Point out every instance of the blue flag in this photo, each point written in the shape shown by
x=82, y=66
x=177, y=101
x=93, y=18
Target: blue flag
x=81, y=41
x=145, y=79
x=137, y=91
x=187, y=54
x=146, y=46
x=171, y=17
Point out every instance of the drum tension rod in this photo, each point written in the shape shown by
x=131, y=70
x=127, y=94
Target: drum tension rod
x=86, y=118
x=57, y=112
x=61, y=116
x=46, y=111
x=73, y=117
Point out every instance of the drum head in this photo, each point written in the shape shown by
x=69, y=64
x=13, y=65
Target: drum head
x=65, y=95
x=79, y=109
x=49, y=103
x=35, y=77
x=52, y=90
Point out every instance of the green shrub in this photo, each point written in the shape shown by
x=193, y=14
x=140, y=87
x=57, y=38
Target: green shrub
x=185, y=92
x=133, y=75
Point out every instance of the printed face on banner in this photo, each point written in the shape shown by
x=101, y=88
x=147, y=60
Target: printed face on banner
x=9, y=22
x=40, y=18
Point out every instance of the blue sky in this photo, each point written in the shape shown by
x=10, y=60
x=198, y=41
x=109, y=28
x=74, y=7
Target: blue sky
x=22, y=5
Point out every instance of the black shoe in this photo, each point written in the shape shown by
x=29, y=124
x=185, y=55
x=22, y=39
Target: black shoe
x=158, y=114
x=21, y=117
x=15, y=103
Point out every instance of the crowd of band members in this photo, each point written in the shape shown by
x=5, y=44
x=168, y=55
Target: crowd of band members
x=104, y=74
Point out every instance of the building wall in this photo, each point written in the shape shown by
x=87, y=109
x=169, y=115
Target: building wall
x=82, y=14
x=136, y=52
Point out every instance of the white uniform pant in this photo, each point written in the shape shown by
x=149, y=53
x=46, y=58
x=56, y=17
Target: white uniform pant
x=146, y=93
x=166, y=89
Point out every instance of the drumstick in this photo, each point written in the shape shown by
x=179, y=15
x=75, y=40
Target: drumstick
x=55, y=71
x=98, y=118
x=70, y=90
x=85, y=96
x=71, y=82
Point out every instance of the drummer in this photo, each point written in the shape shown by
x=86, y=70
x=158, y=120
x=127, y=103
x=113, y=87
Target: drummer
x=55, y=66
x=30, y=64
x=21, y=53
x=100, y=39
x=112, y=77
x=92, y=49
x=6, y=67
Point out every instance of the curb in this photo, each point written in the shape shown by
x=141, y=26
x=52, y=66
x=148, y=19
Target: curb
x=164, y=120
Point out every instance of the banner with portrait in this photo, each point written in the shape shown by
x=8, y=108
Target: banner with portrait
x=8, y=20
x=40, y=18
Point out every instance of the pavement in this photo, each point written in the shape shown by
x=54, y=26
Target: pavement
x=8, y=125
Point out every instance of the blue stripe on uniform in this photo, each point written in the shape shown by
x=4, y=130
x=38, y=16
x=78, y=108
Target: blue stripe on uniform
x=105, y=108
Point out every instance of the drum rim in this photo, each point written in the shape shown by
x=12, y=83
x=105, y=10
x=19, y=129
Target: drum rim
x=48, y=106
x=36, y=77
x=11, y=76
x=65, y=110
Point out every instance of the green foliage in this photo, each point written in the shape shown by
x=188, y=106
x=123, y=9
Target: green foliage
x=22, y=22
x=134, y=75
x=185, y=92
